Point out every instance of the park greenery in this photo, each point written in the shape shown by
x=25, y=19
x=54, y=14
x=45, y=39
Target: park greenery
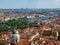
x=20, y=23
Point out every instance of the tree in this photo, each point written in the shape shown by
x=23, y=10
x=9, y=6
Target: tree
x=21, y=23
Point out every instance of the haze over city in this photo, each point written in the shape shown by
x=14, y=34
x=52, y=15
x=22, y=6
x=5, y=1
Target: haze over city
x=8, y=4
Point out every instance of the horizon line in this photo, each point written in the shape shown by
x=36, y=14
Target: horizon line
x=29, y=8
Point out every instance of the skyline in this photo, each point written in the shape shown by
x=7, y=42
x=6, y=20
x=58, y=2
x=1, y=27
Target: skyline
x=9, y=4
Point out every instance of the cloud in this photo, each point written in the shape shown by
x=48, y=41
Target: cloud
x=57, y=0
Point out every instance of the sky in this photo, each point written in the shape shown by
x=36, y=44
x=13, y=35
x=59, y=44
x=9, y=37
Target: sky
x=29, y=4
